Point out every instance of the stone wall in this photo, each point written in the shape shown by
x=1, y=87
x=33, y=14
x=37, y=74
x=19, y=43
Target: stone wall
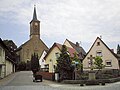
x=47, y=75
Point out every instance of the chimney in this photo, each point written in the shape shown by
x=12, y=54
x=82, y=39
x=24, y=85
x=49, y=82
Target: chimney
x=77, y=44
x=112, y=50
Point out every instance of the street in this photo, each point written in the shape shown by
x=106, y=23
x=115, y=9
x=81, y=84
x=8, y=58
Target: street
x=24, y=81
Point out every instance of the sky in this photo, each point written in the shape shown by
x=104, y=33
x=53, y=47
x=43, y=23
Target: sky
x=77, y=20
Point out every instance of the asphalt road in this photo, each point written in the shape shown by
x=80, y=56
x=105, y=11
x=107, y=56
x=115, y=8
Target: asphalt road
x=24, y=81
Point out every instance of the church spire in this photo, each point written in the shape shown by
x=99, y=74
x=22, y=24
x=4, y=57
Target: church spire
x=34, y=13
x=35, y=25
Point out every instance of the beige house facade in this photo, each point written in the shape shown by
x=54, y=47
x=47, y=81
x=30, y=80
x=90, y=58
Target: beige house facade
x=99, y=48
x=2, y=62
x=7, y=65
x=51, y=57
x=53, y=54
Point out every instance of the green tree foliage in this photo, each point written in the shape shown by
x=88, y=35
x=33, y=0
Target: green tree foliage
x=64, y=64
x=98, y=63
x=118, y=49
x=35, y=63
x=79, y=64
x=21, y=66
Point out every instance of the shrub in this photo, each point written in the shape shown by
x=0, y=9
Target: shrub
x=21, y=66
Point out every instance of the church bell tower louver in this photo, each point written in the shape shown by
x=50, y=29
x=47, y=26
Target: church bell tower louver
x=34, y=26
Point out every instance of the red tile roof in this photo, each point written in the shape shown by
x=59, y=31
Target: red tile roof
x=59, y=46
x=70, y=50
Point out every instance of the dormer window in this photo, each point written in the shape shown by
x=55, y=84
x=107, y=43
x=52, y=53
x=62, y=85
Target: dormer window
x=98, y=43
x=57, y=55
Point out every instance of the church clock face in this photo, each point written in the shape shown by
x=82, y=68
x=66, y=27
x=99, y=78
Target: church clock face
x=36, y=24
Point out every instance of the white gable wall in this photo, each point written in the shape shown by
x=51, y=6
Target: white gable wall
x=106, y=55
x=41, y=60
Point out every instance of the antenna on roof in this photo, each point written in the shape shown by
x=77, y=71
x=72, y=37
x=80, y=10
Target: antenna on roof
x=80, y=43
x=100, y=36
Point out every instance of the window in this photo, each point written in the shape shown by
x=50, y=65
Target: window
x=0, y=51
x=57, y=55
x=98, y=43
x=108, y=63
x=50, y=60
x=54, y=66
x=99, y=53
x=46, y=69
x=42, y=60
x=89, y=63
x=47, y=66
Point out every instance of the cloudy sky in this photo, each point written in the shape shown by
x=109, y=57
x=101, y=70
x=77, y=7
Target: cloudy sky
x=77, y=20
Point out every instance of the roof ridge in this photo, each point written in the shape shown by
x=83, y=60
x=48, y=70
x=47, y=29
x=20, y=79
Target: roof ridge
x=70, y=41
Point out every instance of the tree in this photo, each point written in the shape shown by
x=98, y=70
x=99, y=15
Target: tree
x=21, y=66
x=75, y=60
x=118, y=49
x=64, y=64
x=35, y=63
x=98, y=63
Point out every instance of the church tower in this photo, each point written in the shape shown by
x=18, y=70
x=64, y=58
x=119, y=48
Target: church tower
x=34, y=26
x=34, y=44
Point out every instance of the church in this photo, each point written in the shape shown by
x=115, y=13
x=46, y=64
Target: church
x=34, y=44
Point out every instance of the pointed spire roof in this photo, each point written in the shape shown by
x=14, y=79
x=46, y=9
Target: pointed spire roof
x=34, y=13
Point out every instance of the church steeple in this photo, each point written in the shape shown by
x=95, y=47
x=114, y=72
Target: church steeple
x=34, y=13
x=34, y=26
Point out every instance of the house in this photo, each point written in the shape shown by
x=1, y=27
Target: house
x=53, y=54
x=81, y=52
x=2, y=59
x=42, y=60
x=99, y=48
x=7, y=61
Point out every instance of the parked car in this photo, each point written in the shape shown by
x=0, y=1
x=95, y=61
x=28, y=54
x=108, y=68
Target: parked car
x=37, y=77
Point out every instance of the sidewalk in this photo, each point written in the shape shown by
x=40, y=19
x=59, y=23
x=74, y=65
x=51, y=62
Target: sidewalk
x=7, y=79
x=50, y=82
